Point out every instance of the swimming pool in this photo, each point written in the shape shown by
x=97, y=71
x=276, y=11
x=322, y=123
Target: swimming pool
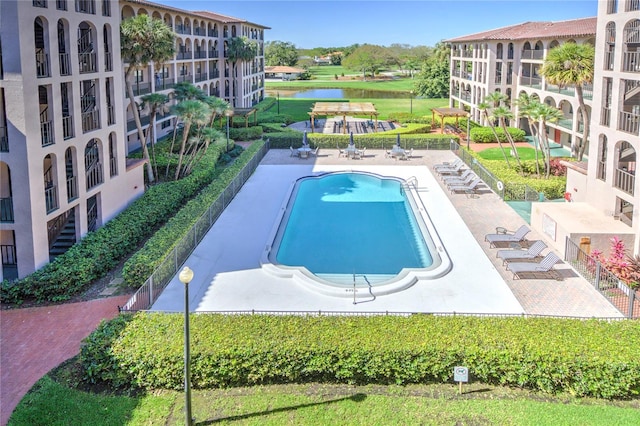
x=345, y=231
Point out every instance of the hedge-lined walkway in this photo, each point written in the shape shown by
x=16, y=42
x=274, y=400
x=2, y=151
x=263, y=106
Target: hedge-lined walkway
x=35, y=340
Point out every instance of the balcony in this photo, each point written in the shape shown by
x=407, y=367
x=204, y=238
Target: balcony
x=165, y=84
x=199, y=31
x=567, y=123
x=108, y=61
x=213, y=54
x=51, y=197
x=61, y=4
x=183, y=55
x=213, y=33
x=183, y=78
x=214, y=74
x=629, y=122
x=632, y=5
x=533, y=54
x=6, y=210
x=631, y=61
x=605, y=116
x=86, y=6
x=200, y=77
x=65, y=64
x=624, y=181
x=90, y=121
x=72, y=188
x=608, y=60
x=140, y=89
x=144, y=121
x=46, y=133
x=535, y=82
x=42, y=64
x=67, y=127
x=94, y=175
x=465, y=96
x=87, y=62
x=200, y=54
x=467, y=54
x=4, y=140
x=111, y=115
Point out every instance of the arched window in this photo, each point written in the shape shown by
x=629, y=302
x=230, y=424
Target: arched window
x=609, y=45
x=71, y=174
x=92, y=164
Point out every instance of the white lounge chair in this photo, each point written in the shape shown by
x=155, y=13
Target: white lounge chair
x=470, y=187
x=447, y=179
x=545, y=265
x=515, y=254
x=409, y=153
x=456, y=170
x=447, y=165
x=517, y=236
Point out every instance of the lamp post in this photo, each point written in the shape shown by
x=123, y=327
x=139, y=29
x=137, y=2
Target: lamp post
x=228, y=113
x=186, y=275
x=411, y=101
x=278, y=102
x=468, y=122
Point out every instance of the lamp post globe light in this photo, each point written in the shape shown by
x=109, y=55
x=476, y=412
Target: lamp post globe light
x=186, y=275
x=228, y=113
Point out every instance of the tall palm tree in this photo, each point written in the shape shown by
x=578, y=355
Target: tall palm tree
x=157, y=103
x=572, y=64
x=503, y=114
x=143, y=40
x=189, y=112
x=527, y=108
x=485, y=107
x=218, y=107
x=185, y=90
x=239, y=49
x=546, y=114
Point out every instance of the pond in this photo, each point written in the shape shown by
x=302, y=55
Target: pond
x=336, y=94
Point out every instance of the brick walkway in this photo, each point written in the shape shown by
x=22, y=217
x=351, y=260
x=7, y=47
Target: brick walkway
x=35, y=340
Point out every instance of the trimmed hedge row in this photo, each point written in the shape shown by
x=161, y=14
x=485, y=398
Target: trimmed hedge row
x=284, y=140
x=100, y=251
x=142, y=264
x=485, y=134
x=581, y=357
x=245, y=133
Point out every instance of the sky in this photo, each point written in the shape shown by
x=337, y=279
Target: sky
x=308, y=24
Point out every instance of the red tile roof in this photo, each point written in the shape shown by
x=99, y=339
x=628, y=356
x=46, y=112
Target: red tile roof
x=534, y=30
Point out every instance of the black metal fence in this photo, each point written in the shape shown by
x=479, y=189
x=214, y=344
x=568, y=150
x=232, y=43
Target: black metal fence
x=624, y=298
x=156, y=283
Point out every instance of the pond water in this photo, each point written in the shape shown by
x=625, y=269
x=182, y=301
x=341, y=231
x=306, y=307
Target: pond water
x=336, y=94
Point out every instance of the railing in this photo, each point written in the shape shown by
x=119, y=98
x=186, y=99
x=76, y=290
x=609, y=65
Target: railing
x=608, y=60
x=625, y=181
x=214, y=74
x=213, y=33
x=111, y=115
x=6, y=209
x=567, y=123
x=72, y=188
x=182, y=78
x=113, y=166
x=56, y=225
x=530, y=81
x=467, y=53
x=67, y=127
x=631, y=61
x=156, y=283
x=625, y=299
x=532, y=54
x=165, y=84
x=632, y=5
x=199, y=54
x=46, y=133
x=144, y=121
x=40, y=3
x=4, y=140
x=605, y=116
x=9, y=262
x=198, y=31
x=65, y=64
x=213, y=54
x=106, y=8
x=90, y=120
x=87, y=62
x=94, y=175
x=200, y=76
x=42, y=63
x=629, y=122
x=183, y=55
x=86, y=6
x=140, y=89
x=108, y=61
x=51, y=198
x=61, y=4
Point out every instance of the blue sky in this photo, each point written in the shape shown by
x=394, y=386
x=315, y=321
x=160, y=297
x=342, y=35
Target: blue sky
x=309, y=24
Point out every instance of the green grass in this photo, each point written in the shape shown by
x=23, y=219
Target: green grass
x=496, y=153
x=52, y=403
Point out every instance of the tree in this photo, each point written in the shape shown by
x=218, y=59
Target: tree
x=189, y=112
x=527, y=108
x=366, y=58
x=185, y=90
x=157, y=103
x=433, y=80
x=280, y=53
x=485, y=106
x=545, y=114
x=239, y=49
x=502, y=113
x=143, y=40
x=572, y=64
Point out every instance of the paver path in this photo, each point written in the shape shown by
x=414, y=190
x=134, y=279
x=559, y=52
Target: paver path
x=35, y=340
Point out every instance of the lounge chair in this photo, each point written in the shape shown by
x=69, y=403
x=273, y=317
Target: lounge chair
x=450, y=179
x=545, y=265
x=315, y=152
x=456, y=170
x=409, y=153
x=471, y=187
x=461, y=182
x=447, y=165
x=515, y=254
x=516, y=237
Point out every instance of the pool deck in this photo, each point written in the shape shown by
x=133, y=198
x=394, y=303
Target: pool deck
x=229, y=277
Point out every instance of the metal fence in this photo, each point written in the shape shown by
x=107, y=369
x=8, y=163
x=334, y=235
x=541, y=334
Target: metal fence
x=156, y=283
x=624, y=298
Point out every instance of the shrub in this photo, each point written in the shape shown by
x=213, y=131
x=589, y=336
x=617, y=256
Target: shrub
x=245, y=133
x=485, y=134
x=372, y=141
x=581, y=357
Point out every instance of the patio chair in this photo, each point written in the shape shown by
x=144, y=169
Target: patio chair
x=459, y=181
x=315, y=152
x=447, y=165
x=341, y=152
x=362, y=151
x=515, y=254
x=293, y=152
x=456, y=170
x=516, y=237
x=304, y=154
x=409, y=153
x=545, y=265
x=453, y=178
x=471, y=187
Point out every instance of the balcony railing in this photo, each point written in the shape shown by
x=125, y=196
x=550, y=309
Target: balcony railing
x=46, y=133
x=567, y=123
x=531, y=81
x=467, y=53
x=61, y=4
x=532, y=54
x=87, y=62
x=213, y=33
x=165, y=83
x=608, y=60
x=631, y=61
x=214, y=74
x=202, y=54
x=108, y=61
x=65, y=64
x=67, y=127
x=199, y=31
x=632, y=5
x=602, y=170
x=182, y=78
x=184, y=55
x=111, y=115
x=72, y=188
x=629, y=122
x=200, y=77
x=94, y=175
x=42, y=64
x=605, y=116
x=6, y=209
x=140, y=89
x=144, y=121
x=213, y=53
x=113, y=167
x=51, y=198
x=86, y=6
x=465, y=96
x=625, y=181
x=4, y=140
x=90, y=120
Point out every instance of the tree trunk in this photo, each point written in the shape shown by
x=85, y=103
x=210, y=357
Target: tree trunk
x=547, y=151
x=136, y=118
x=493, y=129
x=514, y=150
x=585, y=121
x=185, y=136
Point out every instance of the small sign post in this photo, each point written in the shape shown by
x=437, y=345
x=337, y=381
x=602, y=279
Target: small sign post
x=460, y=374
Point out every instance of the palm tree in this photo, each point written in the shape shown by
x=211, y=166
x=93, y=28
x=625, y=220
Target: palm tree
x=143, y=40
x=484, y=107
x=189, y=112
x=503, y=114
x=218, y=107
x=185, y=90
x=546, y=114
x=157, y=103
x=527, y=108
x=207, y=135
x=239, y=49
x=572, y=64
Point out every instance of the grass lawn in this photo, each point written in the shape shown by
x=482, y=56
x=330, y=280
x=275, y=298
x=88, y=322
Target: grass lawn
x=496, y=153
x=51, y=402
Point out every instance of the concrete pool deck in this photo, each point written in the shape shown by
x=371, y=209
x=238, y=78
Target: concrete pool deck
x=228, y=275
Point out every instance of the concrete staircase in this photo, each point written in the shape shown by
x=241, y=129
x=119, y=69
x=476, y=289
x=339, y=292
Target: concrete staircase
x=65, y=239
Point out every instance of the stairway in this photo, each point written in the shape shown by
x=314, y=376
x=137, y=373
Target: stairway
x=65, y=240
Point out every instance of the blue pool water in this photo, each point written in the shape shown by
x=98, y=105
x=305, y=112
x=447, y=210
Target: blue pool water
x=351, y=223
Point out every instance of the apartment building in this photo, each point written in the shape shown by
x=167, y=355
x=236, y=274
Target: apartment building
x=602, y=189
x=65, y=172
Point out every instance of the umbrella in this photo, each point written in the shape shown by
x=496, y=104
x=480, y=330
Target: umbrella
x=304, y=139
x=351, y=138
x=398, y=140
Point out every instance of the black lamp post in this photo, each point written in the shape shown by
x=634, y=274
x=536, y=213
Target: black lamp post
x=411, y=101
x=228, y=113
x=278, y=102
x=186, y=275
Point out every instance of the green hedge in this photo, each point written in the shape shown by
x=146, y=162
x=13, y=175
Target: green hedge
x=582, y=357
x=142, y=264
x=100, y=251
x=485, y=134
x=245, y=133
x=386, y=140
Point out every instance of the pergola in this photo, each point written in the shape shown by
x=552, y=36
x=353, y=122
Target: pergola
x=448, y=112
x=343, y=109
x=245, y=113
